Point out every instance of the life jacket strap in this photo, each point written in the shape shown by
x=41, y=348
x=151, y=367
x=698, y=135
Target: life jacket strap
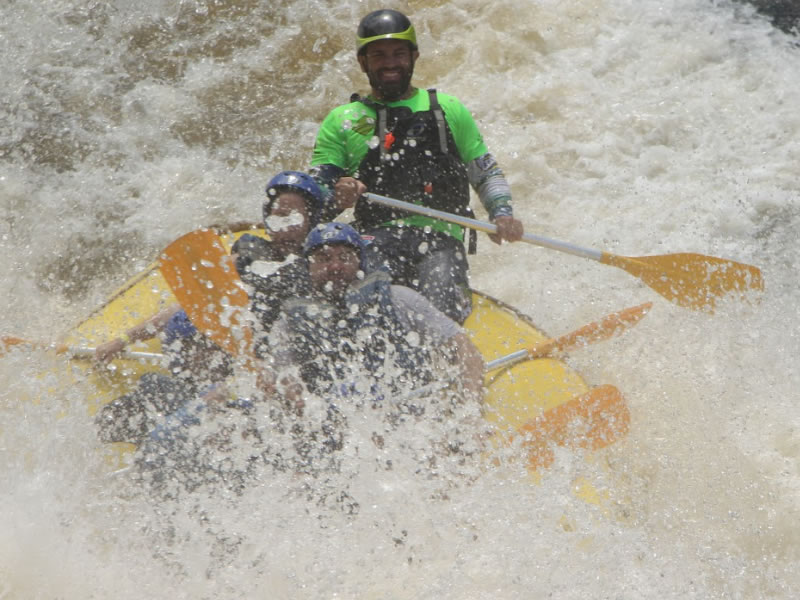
x=436, y=108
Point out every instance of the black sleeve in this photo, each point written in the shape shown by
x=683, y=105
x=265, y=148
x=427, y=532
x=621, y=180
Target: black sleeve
x=326, y=177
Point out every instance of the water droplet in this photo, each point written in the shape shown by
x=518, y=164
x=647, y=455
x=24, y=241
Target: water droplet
x=318, y=44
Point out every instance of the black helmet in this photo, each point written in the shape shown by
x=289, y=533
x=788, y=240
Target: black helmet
x=385, y=24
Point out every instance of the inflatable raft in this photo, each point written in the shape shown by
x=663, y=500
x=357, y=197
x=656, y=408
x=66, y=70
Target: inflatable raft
x=543, y=400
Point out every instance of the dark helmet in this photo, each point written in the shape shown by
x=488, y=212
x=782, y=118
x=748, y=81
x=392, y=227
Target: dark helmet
x=299, y=182
x=184, y=343
x=179, y=327
x=384, y=24
x=329, y=234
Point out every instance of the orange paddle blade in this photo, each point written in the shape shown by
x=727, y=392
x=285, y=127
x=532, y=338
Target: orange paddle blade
x=7, y=342
x=591, y=421
x=596, y=331
x=691, y=280
x=203, y=278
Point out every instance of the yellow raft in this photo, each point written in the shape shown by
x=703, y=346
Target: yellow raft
x=544, y=400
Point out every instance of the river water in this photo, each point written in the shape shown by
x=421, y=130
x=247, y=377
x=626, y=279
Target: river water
x=638, y=127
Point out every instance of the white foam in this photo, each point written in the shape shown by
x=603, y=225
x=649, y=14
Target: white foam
x=640, y=128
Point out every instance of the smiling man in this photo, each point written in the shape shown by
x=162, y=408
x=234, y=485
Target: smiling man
x=416, y=145
x=357, y=327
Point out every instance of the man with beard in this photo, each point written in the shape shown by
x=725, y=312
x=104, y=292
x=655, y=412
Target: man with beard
x=417, y=145
x=357, y=330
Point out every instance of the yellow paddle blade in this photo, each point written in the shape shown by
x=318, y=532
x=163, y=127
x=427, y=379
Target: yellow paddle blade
x=203, y=279
x=691, y=280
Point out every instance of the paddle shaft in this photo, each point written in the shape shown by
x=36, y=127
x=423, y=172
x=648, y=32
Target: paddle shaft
x=593, y=332
x=89, y=353
x=76, y=351
x=530, y=238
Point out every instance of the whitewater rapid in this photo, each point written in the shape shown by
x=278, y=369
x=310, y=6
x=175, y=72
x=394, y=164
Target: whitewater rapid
x=638, y=127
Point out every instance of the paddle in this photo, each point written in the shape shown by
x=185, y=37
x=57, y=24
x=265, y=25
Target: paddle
x=75, y=351
x=592, y=421
x=203, y=279
x=596, y=331
x=690, y=280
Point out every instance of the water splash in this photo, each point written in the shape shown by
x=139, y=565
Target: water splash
x=641, y=128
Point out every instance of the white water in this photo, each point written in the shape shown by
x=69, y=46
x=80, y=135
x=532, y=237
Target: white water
x=639, y=127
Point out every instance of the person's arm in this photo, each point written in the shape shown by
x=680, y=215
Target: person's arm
x=483, y=172
x=437, y=329
x=466, y=356
x=326, y=175
x=488, y=180
x=274, y=376
x=140, y=332
x=340, y=146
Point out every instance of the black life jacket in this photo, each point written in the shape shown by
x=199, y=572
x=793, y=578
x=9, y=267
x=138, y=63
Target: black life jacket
x=416, y=160
x=270, y=292
x=359, y=347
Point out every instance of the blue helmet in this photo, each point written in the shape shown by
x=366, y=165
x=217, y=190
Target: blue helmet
x=299, y=182
x=329, y=234
x=178, y=327
x=182, y=341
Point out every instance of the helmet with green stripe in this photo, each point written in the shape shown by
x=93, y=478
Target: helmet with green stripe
x=382, y=25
